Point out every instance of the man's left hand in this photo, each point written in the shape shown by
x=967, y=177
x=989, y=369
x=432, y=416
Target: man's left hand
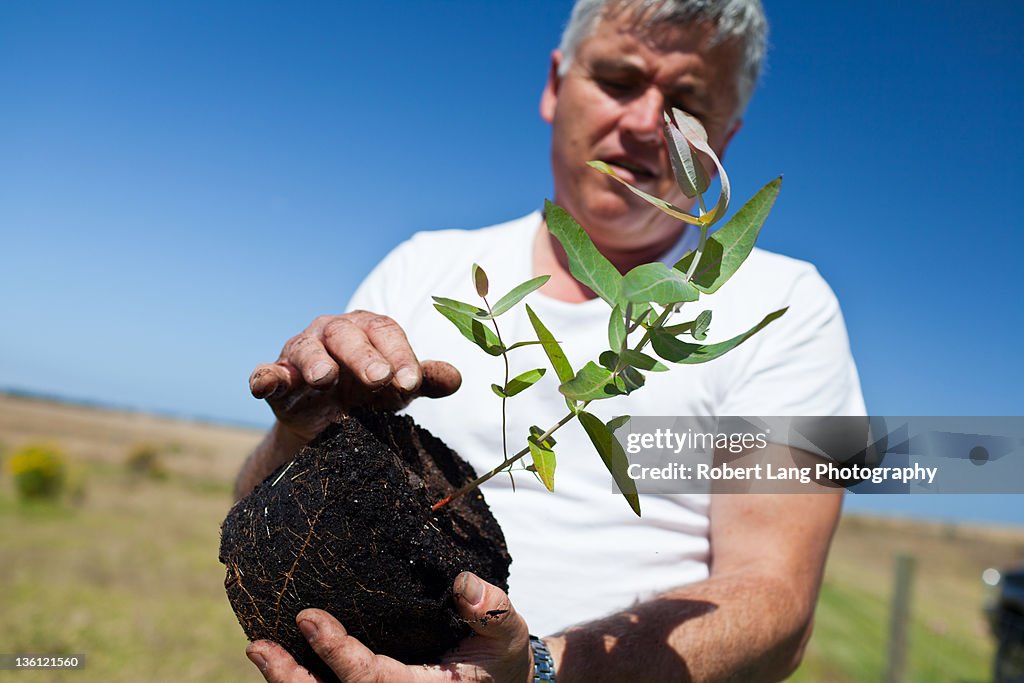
x=498, y=651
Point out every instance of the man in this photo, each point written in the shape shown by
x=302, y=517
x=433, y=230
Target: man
x=703, y=588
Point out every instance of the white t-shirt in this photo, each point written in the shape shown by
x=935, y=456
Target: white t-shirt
x=580, y=553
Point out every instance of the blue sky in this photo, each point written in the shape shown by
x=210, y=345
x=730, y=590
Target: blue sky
x=184, y=185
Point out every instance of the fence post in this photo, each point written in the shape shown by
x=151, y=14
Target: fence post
x=899, y=619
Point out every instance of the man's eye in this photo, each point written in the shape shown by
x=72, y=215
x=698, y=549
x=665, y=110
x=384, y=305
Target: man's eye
x=614, y=86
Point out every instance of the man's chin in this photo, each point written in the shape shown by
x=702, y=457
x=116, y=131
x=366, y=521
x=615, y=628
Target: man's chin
x=620, y=213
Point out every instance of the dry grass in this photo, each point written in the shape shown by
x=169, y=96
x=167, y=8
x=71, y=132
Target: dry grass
x=194, y=449
x=127, y=571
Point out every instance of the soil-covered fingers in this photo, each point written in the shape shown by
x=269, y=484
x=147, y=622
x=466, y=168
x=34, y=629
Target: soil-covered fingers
x=504, y=642
x=349, y=659
x=350, y=340
x=276, y=665
x=272, y=379
x=486, y=608
x=439, y=379
x=388, y=338
x=307, y=353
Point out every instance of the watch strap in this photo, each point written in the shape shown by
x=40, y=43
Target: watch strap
x=543, y=664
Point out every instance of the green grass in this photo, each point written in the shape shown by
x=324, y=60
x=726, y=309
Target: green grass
x=850, y=643
x=129, y=578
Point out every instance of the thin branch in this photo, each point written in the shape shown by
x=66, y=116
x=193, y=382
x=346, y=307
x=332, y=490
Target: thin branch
x=504, y=399
x=505, y=463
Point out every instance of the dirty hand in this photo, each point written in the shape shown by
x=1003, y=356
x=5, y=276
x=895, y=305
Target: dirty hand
x=345, y=361
x=497, y=652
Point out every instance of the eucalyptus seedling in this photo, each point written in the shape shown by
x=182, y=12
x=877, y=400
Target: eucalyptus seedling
x=647, y=297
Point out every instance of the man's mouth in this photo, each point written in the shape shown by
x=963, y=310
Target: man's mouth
x=630, y=170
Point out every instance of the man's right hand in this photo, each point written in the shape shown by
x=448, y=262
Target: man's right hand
x=345, y=361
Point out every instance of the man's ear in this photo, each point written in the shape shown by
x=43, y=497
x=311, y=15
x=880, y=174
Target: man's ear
x=549, y=98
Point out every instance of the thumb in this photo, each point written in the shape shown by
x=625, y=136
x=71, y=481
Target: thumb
x=488, y=611
x=439, y=379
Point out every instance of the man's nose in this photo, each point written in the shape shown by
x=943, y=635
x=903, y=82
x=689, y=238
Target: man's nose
x=643, y=115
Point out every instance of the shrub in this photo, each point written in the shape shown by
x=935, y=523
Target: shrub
x=38, y=471
x=144, y=461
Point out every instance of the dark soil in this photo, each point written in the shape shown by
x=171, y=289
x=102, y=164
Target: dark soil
x=347, y=527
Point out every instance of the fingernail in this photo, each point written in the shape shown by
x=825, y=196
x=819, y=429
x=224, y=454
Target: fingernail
x=378, y=372
x=320, y=370
x=472, y=589
x=309, y=629
x=407, y=378
x=257, y=659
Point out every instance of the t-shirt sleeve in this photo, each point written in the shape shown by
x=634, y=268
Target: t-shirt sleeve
x=803, y=364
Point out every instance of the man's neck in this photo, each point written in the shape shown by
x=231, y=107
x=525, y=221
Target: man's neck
x=550, y=258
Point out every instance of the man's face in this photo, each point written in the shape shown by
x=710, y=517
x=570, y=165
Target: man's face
x=609, y=106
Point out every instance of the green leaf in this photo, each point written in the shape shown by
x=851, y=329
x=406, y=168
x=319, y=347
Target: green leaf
x=656, y=282
x=691, y=175
x=480, y=280
x=586, y=263
x=727, y=249
x=640, y=360
x=591, y=383
x=704, y=320
x=519, y=383
x=544, y=464
x=461, y=306
x=677, y=351
x=696, y=136
x=700, y=326
x=608, y=359
x=632, y=378
x=667, y=207
x=535, y=434
x=499, y=391
x=516, y=295
x=472, y=329
x=678, y=329
x=616, y=423
x=616, y=330
x=613, y=456
x=552, y=348
x=532, y=342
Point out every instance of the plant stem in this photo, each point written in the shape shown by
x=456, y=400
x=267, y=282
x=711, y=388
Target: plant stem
x=505, y=463
x=660, y=322
x=637, y=323
x=504, y=386
x=703, y=240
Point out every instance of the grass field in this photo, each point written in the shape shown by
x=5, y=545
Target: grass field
x=124, y=569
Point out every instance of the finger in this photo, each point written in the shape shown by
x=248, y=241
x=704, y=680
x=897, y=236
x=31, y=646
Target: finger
x=346, y=341
x=439, y=379
x=307, y=354
x=269, y=379
x=348, y=658
x=489, y=612
x=389, y=338
x=276, y=665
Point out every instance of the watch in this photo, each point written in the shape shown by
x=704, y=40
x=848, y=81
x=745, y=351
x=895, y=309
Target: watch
x=543, y=664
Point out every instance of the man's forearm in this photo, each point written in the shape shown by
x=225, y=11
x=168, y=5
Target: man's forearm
x=278, y=447
x=746, y=627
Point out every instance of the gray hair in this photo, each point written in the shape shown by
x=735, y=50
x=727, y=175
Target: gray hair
x=743, y=20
